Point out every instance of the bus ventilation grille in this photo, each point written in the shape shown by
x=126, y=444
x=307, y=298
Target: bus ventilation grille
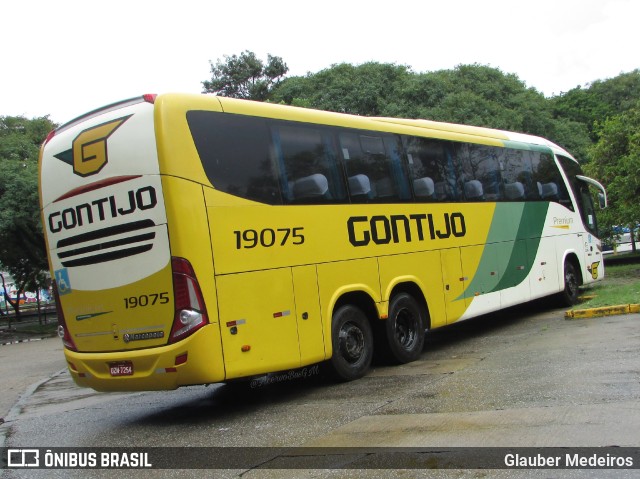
x=107, y=244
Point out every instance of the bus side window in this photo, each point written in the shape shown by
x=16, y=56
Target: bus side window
x=234, y=153
x=430, y=171
x=479, y=167
x=373, y=167
x=307, y=160
x=517, y=175
x=550, y=183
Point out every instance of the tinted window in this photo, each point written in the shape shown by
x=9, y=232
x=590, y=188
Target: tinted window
x=479, y=171
x=517, y=174
x=548, y=179
x=580, y=192
x=373, y=166
x=275, y=162
x=308, y=161
x=236, y=154
x=430, y=169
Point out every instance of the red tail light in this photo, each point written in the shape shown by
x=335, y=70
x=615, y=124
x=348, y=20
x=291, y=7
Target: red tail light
x=190, y=311
x=63, y=332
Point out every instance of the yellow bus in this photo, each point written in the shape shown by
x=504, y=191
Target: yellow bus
x=199, y=239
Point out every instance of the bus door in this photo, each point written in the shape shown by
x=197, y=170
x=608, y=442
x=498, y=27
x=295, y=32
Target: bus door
x=580, y=187
x=592, y=253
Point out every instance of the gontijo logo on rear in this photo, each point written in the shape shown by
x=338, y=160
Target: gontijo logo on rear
x=89, y=153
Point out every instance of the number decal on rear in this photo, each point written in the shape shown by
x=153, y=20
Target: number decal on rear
x=146, y=300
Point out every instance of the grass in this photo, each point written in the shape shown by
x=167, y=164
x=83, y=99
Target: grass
x=621, y=285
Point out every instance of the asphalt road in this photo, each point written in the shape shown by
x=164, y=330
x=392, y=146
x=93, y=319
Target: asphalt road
x=524, y=378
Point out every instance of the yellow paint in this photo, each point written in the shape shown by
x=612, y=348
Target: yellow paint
x=204, y=365
x=90, y=148
x=604, y=311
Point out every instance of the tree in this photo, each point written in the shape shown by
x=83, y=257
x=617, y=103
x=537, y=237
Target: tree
x=615, y=161
x=22, y=248
x=598, y=101
x=370, y=89
x=469, y=94
x=245, y=76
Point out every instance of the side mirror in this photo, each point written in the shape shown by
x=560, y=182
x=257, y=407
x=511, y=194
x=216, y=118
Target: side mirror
x=602, y=199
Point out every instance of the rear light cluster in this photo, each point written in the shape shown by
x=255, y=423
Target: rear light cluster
x=63, y=332
x=190, y=311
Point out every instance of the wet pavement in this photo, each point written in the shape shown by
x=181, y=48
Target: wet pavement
x=526, y=377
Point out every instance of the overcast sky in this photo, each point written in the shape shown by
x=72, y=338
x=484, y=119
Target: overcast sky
x=65, y=57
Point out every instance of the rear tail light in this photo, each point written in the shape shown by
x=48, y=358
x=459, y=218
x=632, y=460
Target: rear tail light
x=63, y=332
x=190, y=311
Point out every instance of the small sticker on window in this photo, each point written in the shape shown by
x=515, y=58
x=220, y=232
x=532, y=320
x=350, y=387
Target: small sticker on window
x=345, y=153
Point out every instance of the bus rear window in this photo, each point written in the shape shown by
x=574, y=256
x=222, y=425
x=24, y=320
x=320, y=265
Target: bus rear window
x=235, y=153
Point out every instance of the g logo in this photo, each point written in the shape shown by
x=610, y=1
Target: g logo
x=594, y=270
x=89, y=149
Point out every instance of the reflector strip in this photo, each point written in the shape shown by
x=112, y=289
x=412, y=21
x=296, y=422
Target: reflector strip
x=281, y=314
x=237, y=322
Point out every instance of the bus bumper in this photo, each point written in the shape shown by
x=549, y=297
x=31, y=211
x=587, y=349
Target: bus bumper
x=194, y=360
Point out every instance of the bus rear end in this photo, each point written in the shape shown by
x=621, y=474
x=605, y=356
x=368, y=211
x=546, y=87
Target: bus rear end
x=131, y=310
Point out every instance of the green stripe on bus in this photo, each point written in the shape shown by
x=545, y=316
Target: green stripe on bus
x=506, y=262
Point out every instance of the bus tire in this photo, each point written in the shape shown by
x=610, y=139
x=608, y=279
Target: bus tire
x=352, y=342
x=569, y=296
x=404, y=329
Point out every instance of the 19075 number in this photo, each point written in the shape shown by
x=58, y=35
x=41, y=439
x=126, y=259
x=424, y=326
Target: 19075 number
x=146, y=300
x=269, y=237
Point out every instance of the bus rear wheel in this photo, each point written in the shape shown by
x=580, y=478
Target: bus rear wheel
x=404, y=329
x=352, y=342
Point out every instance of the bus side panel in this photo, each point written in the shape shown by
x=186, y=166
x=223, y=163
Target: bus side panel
x=422, y=269
x=308, y=315
x=189, y=233
x=543, y=278
x=485, y=278
x=594, y=265
x=189, y=238
x=454, y=283
x=515, y=289
x=258, y=322
x=336, y=279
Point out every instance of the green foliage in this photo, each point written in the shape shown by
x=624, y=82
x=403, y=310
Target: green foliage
x=615, y=161
x=370, y=89
x=469, y=94
x=22, y=248
x=621, y=285
x=602, y=99
x=245, y=76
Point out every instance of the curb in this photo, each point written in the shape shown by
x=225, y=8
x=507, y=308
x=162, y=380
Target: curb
x=18, y=341
x=16, y=409
x=604, y=311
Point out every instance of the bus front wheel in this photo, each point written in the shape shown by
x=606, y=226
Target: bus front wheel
x=569, y=295
x=404, y=329
x=352, y=342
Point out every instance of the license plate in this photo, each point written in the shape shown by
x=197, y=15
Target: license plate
x=124, y=368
